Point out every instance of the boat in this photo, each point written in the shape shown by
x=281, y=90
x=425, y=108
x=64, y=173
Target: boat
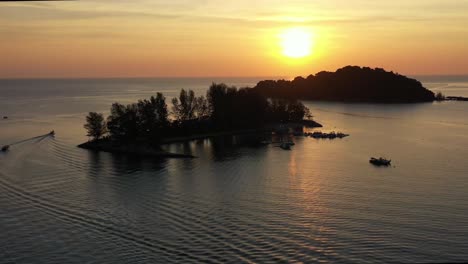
x=52, y=133
x=285, y=146
x=5, y=148
x=380, y=161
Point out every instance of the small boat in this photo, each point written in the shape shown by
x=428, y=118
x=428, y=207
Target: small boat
x=380, y=161
x=285, y=146
x=52, y=133
x=5, y=148
x=5, y=117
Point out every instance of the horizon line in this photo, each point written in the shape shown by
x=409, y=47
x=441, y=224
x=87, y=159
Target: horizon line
x=136, y=77
x=199, y=77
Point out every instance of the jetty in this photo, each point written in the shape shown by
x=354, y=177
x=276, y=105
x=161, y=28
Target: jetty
x=323, y=135
x=456, y=98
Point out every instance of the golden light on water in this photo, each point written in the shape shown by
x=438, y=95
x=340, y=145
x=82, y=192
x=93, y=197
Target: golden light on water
x=296, y=43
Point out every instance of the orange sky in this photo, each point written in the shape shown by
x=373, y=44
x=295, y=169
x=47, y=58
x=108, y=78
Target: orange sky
x=110, y=38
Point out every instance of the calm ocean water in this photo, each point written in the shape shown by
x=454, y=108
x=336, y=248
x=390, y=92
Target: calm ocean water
x=321, y=201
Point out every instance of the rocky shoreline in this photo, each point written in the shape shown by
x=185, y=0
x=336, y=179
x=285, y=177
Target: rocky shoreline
x=107, y=145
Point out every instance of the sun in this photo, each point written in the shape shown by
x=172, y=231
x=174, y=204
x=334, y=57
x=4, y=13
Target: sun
x=296, y=43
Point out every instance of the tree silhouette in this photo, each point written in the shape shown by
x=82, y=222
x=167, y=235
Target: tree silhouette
x=123, y=122
x=223, y=108
x=439, y=96
x=202, y=109
x=183, y=108
x=95, y=125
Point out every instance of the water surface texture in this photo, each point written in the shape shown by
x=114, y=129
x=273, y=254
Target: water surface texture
x=321, y=201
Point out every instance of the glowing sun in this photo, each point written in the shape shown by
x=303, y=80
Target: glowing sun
x=296, y=43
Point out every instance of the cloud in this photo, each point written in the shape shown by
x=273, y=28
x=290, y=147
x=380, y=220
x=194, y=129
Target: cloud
x=41, y=12
x=193, y=14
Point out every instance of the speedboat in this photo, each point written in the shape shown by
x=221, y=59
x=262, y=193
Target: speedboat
x=52, y=133
x=5, y=148
x=380, y=161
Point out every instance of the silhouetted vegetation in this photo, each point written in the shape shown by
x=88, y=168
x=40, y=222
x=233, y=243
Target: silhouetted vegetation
x=439, y=96
x=95, y=125
x=146, y=120
x=350, y=84
x=223, y=109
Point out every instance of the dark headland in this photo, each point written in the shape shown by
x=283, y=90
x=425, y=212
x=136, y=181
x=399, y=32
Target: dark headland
x=349, y=84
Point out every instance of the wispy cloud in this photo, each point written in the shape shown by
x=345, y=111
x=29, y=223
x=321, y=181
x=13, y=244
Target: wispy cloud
x=266, y=19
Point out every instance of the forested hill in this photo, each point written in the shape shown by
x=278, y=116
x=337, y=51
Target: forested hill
x=349, y=84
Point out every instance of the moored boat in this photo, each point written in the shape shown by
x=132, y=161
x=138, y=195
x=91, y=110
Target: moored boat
x=285, y=146
x=380, y=161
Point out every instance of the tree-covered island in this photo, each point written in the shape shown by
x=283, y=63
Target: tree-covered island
x=350, y=84
x=140, y=128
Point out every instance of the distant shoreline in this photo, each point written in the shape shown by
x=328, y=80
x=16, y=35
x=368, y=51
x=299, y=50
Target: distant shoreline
x=349, y=84
x=455, y=98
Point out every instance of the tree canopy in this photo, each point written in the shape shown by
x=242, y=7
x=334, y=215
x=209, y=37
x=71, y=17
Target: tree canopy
x=224, y=107
x=95, y=125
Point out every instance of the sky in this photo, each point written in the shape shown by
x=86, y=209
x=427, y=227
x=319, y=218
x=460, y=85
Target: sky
x=208, y=38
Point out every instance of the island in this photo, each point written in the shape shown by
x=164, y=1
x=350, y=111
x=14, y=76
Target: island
x=349, y=84
x=142, y=127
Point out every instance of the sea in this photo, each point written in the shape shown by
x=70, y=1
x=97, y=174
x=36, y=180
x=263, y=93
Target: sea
x=322, y=201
